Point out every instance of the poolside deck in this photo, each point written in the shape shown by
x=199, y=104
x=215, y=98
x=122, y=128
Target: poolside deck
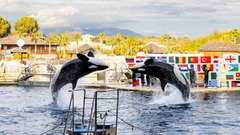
x=91, y=82
x=129, y=87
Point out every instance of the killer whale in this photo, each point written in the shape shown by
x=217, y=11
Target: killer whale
x=166, y=73
x=74, y=69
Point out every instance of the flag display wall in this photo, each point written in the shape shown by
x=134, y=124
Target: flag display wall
x=185, y=61
x=232, y=65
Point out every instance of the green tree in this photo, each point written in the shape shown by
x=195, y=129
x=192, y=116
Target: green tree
x=52, y=39
x=102, y=37
x=131, y=46
x=63, y=40
x=111, y=42
x=5, y=27
x=119, y=39
x=76, y=38
x=26, y=26
x=35, y=38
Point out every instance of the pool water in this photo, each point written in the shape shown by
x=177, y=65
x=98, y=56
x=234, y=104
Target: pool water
x=31, y=111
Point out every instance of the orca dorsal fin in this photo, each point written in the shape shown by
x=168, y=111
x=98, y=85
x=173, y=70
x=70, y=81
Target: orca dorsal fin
x=90, y=54
x=148, y=61
x=82, y=57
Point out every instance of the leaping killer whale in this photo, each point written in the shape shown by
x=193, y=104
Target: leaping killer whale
x=74, y=69
x=166, y=73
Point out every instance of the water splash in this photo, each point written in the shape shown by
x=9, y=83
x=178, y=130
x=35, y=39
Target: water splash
x=64, y=96
x=174, y=97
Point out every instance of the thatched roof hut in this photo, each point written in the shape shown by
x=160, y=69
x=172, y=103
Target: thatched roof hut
x=218, y=48
x=84, y=49
x=155, y=48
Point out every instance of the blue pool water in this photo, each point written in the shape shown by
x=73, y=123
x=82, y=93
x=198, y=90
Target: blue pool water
x=30, y=111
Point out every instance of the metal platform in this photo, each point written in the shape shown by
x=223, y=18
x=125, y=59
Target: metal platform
x=97, y=125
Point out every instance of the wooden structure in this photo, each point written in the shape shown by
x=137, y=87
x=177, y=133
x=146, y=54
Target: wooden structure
x=218, y=49
x=42, y=48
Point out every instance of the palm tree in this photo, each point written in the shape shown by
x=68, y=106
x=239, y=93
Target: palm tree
x=76, y=38
x=119, y=38
x=35, y=38
x=102, y=38
x=52, y=39
x=63, y=40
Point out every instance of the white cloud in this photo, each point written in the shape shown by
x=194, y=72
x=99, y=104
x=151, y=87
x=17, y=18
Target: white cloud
x=153, y=17
x=55, y=16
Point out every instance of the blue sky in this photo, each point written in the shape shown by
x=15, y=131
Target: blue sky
x=192, y=18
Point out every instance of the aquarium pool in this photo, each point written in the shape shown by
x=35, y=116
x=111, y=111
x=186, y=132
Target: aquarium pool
x=31, y=111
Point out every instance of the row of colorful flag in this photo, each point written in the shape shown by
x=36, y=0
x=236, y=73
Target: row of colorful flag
x=182, y=59
x=227, y=58
x=231, y=63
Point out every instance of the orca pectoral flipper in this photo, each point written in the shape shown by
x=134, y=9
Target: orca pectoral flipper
x=163, y=84
x=74, y=83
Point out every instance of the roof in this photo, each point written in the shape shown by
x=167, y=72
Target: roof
x=13, y=40
x=84, y=49
x=18, y=50
x=219, y=47
x=155, y=48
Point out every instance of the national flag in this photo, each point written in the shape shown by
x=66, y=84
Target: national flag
x=216, y=67
x=140, y=59
x=211, y=67
x=229, y=77
x=138, y=75
x=230, y=59
x=162, y=58
x=199, y=68
x=232, y=68
x=237, y=76
x=213, y=75
x=215, y=59
x=181, y=59
x=152, y=57
x=183, y=67
x=205, y=59
x=192, y=59
x=200, y=75
x=192, y=66
x=171, y=59
x=187, y=75
x=235, y=83
x=130, y=60
x=131, y=64
x=228, y=83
